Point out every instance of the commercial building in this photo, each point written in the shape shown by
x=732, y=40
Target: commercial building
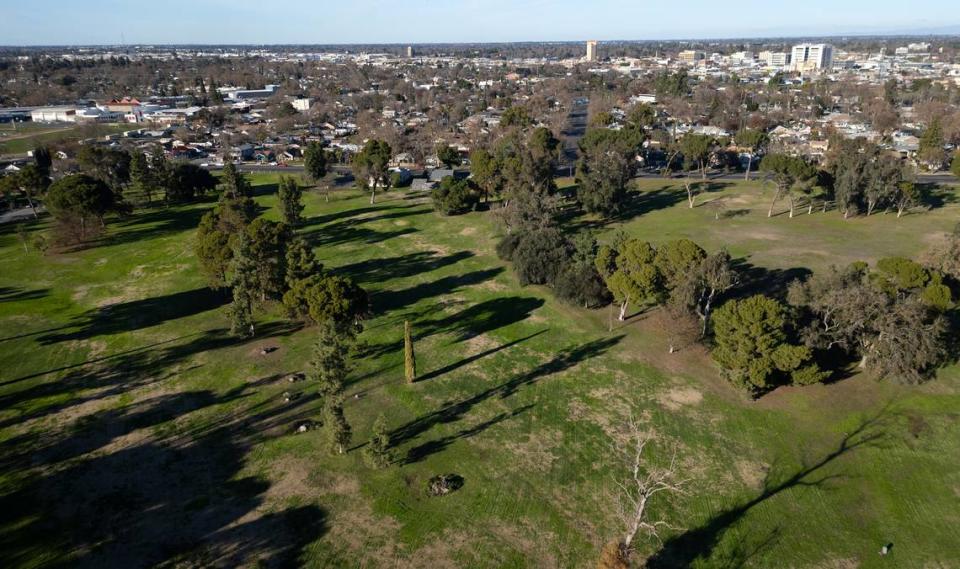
x=302, y=104
x=774, y=58
x=243, y=94
x=812, y=56
x=592, y=54
x=54, y=114
x=691, y=57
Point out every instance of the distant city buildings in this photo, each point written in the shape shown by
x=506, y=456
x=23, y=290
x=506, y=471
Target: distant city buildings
x=410, y=51
x=592, y=51
x=811, y=56
x=777, y=59
x=691, y=57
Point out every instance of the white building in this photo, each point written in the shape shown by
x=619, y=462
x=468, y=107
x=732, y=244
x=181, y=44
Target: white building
x=54, y=114
x=302, y=105
x=812, y=56
x=774, y=58
x=591, y=50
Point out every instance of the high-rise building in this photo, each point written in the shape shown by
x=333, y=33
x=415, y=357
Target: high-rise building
x=409, y=51
x=811, y=56
x=592, y=50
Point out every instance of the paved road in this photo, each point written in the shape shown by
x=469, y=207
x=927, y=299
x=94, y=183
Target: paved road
x=21, y=214
x=570, y=137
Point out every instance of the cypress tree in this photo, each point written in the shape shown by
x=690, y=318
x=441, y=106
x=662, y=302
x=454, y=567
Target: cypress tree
x=409, y=360
x=378, y=449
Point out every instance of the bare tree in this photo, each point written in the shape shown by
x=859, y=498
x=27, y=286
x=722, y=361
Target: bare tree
x=637, y=491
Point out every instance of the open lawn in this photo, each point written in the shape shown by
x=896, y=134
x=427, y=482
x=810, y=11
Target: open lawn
x=26, y=138
x=134, y=431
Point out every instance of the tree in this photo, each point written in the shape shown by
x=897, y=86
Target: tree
x=78, y=199
x=377, y=451
x=700, y=288
x=268, y=249
x=540, y=256
x=217, y=236
x=643, y=484
x=909, y=343
x=315, y=161
x=931, y=146
x=454, y=196
x=330, y=362
x=370, y=166
x=43, y=159
x=751, y=345
x=409, y=360
x=448, y=155
x=790, y=174
x=300, y=263
x=885, y=175
x=185, y=182
x=106, y=164
x=955, y=164
x=244, y=283
x=337, y=428
x=908, y=195
x=696, y=150
x=291, y=201
x=485, y=173
x=320, y=298
x=515, y=116
x=675, y=260
x=630, y=273
x=33, y=183
x=944, y=257
x=605, y=167
x=142, y=185
x=233, y=183
x=753, y=141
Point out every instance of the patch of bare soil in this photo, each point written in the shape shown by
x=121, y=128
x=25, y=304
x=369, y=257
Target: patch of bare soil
x=752, y=473
x=538, y=451
x=680, y=397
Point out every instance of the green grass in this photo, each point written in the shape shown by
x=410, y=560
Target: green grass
x=134, y=431
x=26, y=138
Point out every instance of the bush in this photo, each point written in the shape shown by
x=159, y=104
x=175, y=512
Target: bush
x=540, y=256
x=455, y=196
x=581, y=286
x=508, y=245
x=327, y=297
x=398, y=180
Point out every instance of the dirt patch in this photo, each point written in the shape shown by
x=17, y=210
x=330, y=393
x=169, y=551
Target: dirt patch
x=479, y=344
x=336, y=484
x=468, y=231
x=839, y=564
x=752, y=473
x=761, y=235
x=401, y=223
x=680, y=397
x=258, y=348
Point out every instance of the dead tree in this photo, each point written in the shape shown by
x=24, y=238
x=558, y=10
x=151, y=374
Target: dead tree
x=640, y=488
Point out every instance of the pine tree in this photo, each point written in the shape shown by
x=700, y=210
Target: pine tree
x=301, y=262
x=330, y=363
x=291, y=201
x=409, y=360
x=378, y=449
x=336, y=428
x=234, y=183
x=243, y=281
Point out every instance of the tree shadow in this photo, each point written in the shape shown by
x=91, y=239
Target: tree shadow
x=139, y=314
x=469, y=360
x=165, y=497
x=700, y=543
x=453, y=412
x=420, y=452
x=143, y=226
x=761, y=280
x=402, y=266
x=396, y=299
x=16, y=294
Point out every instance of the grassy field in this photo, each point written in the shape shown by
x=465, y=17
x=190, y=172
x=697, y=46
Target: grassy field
x=134, y=431
x=28, y=136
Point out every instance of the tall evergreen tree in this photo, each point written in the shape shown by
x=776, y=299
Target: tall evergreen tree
x=377, y=451
x=244, y=284
x=291, y=201
x=409, y=359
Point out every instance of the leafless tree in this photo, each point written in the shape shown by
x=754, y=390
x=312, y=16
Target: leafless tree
x=638, y=490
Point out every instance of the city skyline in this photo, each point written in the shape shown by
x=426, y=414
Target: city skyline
x=110, y=22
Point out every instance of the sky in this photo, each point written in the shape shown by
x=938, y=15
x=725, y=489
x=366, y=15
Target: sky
x=86, y=22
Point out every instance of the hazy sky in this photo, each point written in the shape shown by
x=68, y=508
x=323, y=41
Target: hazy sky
x=44, y=22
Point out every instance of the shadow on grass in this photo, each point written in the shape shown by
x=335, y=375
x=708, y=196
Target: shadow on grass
x=699, y=544
x=109, y=377
x=165, y=497
x=383, y=269
x=138, y=314
x=469, y=360
x=453, y=412
x=16, y=294
x=761, y=280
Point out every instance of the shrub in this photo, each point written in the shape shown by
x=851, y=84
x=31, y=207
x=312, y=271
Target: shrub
x=508, y=245
x=540, y=256
x=454, y=196
x=581, y=286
